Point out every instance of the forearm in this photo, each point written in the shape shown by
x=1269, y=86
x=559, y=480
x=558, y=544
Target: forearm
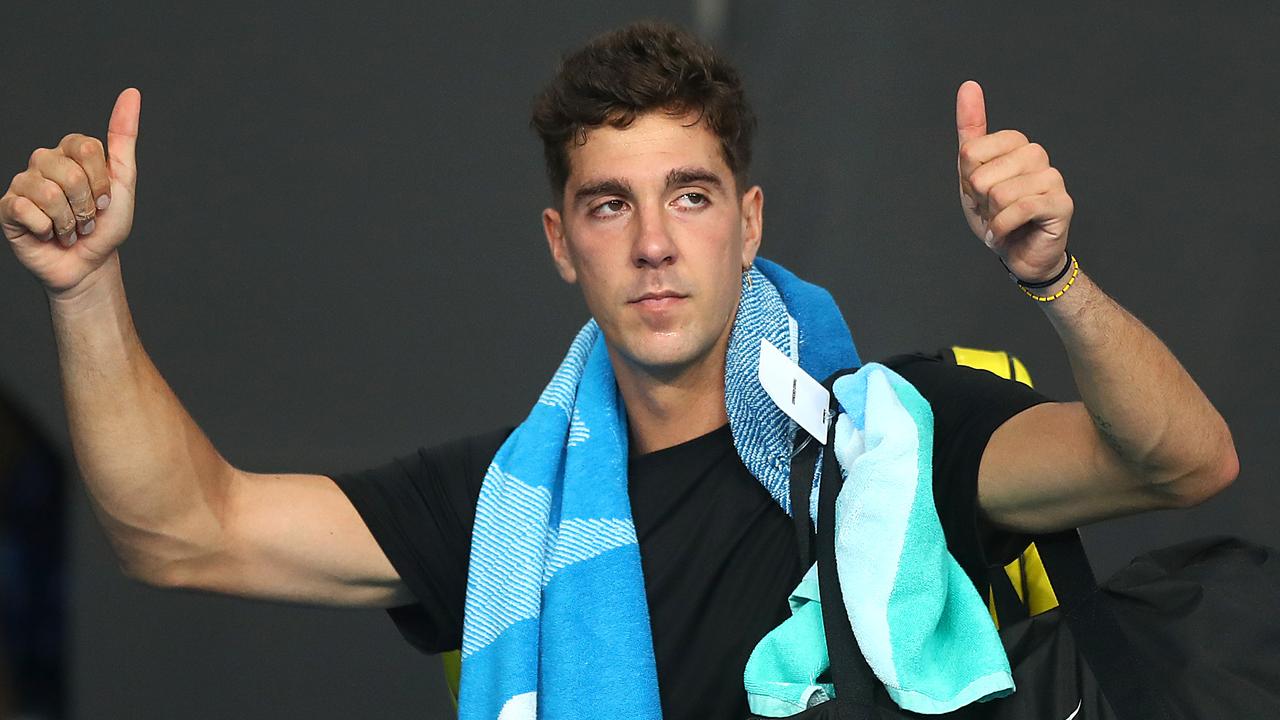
x=155, y=479
x=1144, y=404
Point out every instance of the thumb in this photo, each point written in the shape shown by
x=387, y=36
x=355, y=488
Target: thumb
x=971, y=112
x=122, y=136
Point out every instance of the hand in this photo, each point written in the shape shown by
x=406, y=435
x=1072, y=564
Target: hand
x=66, y=214
x=1012, y=198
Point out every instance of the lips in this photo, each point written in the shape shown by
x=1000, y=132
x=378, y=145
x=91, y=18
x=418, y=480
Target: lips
x=659, y=300
x=658, y=296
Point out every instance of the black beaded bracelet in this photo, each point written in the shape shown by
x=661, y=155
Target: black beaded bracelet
x=1047, y=283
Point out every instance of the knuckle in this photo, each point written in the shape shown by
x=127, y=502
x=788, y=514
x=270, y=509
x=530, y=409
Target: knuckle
x=1038, y=151
x=966, y=151
x=37, y=156
x=1055, y=175
x=12, y=205
x=27, y=182
x=980, y=184
x=48, y=194
x=76, y=185
x=999, y=197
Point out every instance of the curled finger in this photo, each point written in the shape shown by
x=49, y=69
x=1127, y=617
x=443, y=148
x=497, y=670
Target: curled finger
x=22, y=217
x=1007, y=192
x=89, y=153
x=48, y=196
x=74, y=182
x=1024, y=160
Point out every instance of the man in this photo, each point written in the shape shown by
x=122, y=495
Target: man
x=647, y=135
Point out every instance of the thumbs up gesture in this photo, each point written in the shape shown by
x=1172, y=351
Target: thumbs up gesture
x=1013, y=199
x=66, y=214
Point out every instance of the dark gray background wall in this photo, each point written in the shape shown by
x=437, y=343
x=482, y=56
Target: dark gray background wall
x=337, y=255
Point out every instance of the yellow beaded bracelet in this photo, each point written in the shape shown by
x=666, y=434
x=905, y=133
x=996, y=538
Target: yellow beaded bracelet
x=1075, y=272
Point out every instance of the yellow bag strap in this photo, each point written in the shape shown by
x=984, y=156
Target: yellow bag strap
x=452, y=673
x=998, y=362
x=1027, y=573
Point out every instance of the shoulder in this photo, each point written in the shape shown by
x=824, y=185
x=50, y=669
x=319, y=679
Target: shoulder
x=468, y=456
x=447, y=474
x=961, y=391
x=459, y=456
x=968, y=406
x=420, y=508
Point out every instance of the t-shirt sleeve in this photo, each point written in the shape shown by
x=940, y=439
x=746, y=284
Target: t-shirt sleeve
x=968, y=405
x=420, y=509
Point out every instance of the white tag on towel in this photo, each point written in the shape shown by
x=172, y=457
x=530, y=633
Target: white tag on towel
x=801, y=397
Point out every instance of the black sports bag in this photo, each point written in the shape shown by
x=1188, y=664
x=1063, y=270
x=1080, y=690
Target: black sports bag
x=1187, y=632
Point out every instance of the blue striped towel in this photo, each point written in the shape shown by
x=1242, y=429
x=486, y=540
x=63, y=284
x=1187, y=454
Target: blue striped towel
x=556, y=624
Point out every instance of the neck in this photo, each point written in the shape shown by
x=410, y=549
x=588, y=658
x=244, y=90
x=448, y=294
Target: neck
x=666, y=410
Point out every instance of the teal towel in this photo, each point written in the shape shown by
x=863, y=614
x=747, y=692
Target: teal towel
x=921, y=624
x=782, y=673
x=919, y=621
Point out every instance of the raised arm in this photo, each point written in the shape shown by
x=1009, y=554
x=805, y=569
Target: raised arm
x=177, y=513
x=1144, y=436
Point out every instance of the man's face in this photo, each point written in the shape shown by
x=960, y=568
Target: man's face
x=653, y=230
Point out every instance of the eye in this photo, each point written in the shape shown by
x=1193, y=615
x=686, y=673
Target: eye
x=692, y=200
x=609, y=208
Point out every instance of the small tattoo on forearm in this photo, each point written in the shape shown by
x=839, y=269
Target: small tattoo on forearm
x=1108, y=434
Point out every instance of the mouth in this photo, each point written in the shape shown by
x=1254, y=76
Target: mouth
x=660, y=300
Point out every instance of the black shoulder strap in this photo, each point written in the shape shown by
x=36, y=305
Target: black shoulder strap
x=1097, y=632
x=803, y=463
x=854, y=681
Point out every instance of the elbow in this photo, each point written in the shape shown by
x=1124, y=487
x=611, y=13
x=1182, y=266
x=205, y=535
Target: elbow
x=168, y=574
x=146, y=571
x=165, y=562
x=1212, y=477
x=1225, y=470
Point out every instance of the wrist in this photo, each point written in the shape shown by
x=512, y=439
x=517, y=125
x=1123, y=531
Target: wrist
x=1053, y=289
x=98, y=285
x=1048, y=280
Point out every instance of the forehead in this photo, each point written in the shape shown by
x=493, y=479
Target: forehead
x=648, y=148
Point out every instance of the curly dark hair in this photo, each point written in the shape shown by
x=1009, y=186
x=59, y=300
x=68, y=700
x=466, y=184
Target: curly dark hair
x=639, y=68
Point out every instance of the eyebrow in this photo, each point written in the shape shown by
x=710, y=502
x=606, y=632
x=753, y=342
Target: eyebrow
x=606, y=186
x=693, y=176
x=617, y=186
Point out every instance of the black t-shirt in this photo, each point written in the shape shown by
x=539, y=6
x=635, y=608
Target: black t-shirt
x=719, y=555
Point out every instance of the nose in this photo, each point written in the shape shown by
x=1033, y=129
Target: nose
x=653, y=245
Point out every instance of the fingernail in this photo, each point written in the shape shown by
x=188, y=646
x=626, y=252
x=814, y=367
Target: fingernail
x=989, y=238
x=88, y=227
x=103, y=201
x=72, y=240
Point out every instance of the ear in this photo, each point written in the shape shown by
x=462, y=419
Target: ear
x=553, y=226
x=752, y=224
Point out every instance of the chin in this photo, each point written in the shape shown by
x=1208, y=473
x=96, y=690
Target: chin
x=666, y=355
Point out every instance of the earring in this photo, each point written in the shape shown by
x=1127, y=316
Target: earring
x=747, y=273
